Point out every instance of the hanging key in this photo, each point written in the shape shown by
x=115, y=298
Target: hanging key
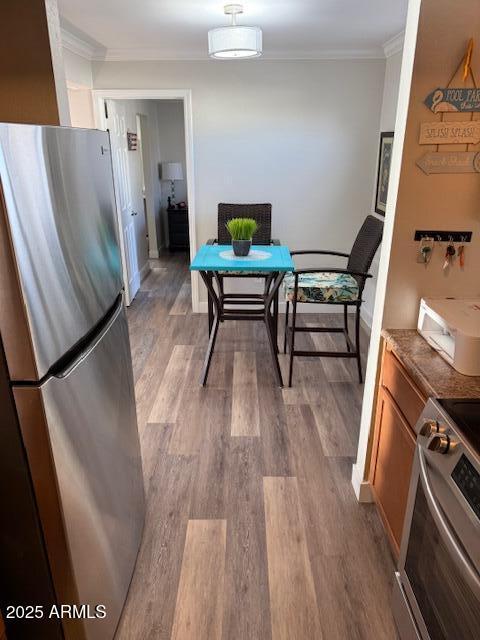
x=461, y=255
x=450, y=252
x=425, y=250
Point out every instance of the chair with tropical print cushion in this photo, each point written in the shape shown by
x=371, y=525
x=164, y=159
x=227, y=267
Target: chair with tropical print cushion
x=332, y=286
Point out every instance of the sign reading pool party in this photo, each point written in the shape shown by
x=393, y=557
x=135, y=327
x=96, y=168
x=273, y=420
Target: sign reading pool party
x=454, y=99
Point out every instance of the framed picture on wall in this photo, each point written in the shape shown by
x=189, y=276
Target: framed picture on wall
x=383, y=176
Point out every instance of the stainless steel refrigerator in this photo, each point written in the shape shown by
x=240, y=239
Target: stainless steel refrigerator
x=72, y=499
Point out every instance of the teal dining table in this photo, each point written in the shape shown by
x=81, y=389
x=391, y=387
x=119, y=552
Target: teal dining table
x=214, y=259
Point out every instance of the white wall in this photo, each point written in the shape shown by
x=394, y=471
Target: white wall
x=78, y=73
x=301, y=134
x=57, y=62
x=171, y=138
x=387, y=123
x=360, y=468
x=81, y=107
x=419, y=201
x=442, y=201
x=78, y=70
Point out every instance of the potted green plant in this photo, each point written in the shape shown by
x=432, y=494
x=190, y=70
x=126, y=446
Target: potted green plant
x=241, y=230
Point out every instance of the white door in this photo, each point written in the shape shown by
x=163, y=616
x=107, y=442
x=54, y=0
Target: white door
x=143, y=144
x=116, y=124
x=137, y=191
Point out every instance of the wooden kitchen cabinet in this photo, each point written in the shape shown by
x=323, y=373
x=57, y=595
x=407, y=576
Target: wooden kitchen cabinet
x=399, y=405
x=392, y=466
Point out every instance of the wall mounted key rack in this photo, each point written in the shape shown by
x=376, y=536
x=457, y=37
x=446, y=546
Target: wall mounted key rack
x=444, y=236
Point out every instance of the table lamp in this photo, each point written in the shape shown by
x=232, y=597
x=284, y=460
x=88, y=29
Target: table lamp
x=172, y=171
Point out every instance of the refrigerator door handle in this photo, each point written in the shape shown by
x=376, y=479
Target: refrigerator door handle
x=82, y=355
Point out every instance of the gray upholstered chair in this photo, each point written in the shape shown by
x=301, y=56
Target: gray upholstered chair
x=334, y=287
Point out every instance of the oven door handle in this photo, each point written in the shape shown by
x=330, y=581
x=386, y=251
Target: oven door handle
x=458, y=555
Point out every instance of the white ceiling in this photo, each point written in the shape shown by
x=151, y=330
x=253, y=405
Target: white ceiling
x=177, y=29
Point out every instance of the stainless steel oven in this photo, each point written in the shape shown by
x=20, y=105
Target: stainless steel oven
x=437, y=587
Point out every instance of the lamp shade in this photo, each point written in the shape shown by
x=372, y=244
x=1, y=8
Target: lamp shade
x=235, y=42
x=172, y=171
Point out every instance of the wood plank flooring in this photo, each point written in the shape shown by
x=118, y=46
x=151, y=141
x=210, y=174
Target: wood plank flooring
x=252, y=530
x=293, y=602
x=199, y=606
x=245, y=408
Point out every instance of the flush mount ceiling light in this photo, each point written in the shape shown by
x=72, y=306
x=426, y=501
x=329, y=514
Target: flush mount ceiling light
x=234, y=41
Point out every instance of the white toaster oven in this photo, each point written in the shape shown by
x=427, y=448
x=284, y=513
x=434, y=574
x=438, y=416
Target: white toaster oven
x=452, y=327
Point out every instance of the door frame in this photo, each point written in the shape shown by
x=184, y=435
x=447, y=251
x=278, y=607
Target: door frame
x=143, y=125
x=129, y=278
x=99, y=95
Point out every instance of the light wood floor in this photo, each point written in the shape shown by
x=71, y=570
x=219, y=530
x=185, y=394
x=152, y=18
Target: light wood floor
x=252, y=529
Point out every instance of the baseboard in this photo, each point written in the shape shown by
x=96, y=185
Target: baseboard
x=139, y=277
x=144, y=271
x=366, y=327
x=154, y=254
x=134, y=283
x=301, y=308
x=366, y=316
x=361, y=487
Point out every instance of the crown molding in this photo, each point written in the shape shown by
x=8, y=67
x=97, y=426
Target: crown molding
x=150, y=55
x=88, y=51
x=77, y=45
x=394, y=45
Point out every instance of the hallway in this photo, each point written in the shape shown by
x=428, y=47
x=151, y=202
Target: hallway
x=252, y=530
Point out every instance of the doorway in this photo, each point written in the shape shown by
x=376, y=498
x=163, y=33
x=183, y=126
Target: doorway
x=143, y=180
x=143, y=137
x=120, y=120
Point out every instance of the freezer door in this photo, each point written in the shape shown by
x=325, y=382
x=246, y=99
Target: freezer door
x=60, y=212
x=96, y=485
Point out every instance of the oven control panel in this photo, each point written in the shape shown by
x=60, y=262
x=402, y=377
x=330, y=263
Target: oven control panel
x=467, y=479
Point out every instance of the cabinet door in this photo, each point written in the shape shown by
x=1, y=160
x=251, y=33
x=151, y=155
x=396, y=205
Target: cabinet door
x=406, y=395
x=392, y=466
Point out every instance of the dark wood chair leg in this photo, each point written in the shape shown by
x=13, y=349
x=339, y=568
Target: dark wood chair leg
x=357, y=345
x=285, y=334
x=345, y=324
x=211, y=347
x=207, y=278
x=274, y=351
x=210, y=308
x=269, y=323
x=268, y=283
x=273, y=316
x=275, y=319
x=221, y=290
x=292, y=340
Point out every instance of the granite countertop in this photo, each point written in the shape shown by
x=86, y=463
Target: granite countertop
x=433, y=376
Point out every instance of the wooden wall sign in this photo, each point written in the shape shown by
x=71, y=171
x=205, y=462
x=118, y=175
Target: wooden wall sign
x=453, y=99
x=450, y=132
x=450, y=162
